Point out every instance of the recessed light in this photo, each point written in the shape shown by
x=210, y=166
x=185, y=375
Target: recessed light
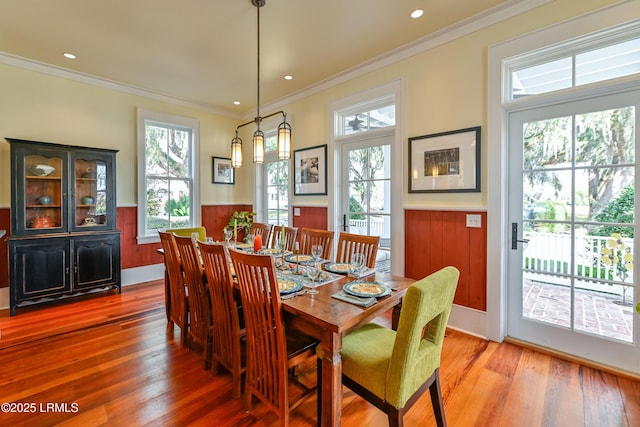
x=69, y=55
x=417, y=13
x=288, y=77
x=236, y=102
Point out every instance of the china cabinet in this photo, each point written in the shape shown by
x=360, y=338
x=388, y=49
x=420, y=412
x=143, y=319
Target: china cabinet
x=63, y=221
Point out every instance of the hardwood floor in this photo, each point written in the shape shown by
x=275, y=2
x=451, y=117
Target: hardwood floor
x=109, y=361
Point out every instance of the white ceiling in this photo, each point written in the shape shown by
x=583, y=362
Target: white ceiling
x=205, y=51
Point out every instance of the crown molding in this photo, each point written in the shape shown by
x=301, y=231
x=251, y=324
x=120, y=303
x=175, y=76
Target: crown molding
x=460, y=29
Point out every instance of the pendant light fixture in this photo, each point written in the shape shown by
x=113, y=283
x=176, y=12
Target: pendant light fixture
x=284, y=129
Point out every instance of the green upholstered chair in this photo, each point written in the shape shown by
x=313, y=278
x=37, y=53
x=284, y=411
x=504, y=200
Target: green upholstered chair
x=392, y=369
x=186, y=232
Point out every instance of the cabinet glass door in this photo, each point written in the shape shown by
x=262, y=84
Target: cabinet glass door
x=92, y=193
x=44, y=196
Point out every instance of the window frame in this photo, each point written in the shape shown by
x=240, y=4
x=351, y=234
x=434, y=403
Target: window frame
x=152, y=117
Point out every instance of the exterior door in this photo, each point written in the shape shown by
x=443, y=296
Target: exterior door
x=366, y=194
x=572, y=224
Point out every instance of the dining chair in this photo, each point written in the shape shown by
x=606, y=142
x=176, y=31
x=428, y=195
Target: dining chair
x=290, y=236
x=226, y=344
x=267, y=378
x=348, y=244
x=199, y=310
x=187, y=231
x=313, y=236
x=264, y=230
x=393, y=369
x=178, y=299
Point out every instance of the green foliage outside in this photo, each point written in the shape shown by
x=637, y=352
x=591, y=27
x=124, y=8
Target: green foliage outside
x=355, y=209
x=178, y=207
x=619, y=210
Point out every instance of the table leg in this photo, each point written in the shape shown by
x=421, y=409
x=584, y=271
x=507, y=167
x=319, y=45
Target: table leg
x=331, y=382
x=395, y=316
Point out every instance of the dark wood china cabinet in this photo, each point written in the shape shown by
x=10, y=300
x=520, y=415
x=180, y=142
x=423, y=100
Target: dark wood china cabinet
x=63, y=238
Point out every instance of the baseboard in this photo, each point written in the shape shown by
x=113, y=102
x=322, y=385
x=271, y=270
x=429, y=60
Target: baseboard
x=468, y=320
x=130, y=276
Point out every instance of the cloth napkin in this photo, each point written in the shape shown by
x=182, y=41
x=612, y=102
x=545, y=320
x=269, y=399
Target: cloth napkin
x=364, y=302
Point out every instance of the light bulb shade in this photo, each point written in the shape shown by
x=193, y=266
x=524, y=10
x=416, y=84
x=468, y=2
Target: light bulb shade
x=258, y=146
x=236, y=152
x=284, y=140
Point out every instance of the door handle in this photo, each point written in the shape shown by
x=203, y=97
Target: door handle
x=514, y=236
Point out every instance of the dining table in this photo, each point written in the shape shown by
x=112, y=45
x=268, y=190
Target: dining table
x=328, y=319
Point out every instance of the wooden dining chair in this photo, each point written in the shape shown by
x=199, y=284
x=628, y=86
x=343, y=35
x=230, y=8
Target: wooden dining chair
x=227, y=345
x=199, y=310
x=264, y=230
x=290, y=236
x=393, y=369
x=267, y=378
x=313, y=236
x=178, y=299
x=348, y=244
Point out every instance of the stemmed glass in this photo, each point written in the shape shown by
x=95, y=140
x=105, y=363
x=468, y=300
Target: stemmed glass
x=358, y=261
x=316, y=252
x=313, y=272
x=228, y=234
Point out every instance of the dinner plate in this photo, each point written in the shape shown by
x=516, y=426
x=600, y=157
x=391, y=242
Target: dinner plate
x=366, y=289
x=244, y=245
x=298, y=258
x=288, y=286
x=338, y=267
x=270, y=251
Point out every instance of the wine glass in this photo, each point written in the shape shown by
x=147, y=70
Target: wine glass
x=313, y=272
x=228, y=234
x=316, y=252
x=358, y=261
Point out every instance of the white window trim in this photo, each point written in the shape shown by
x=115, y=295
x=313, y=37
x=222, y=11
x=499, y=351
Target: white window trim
x=497, y=131
x=193, y=124
x=392, y=89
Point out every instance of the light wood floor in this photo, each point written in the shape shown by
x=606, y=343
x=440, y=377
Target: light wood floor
x=111, y=361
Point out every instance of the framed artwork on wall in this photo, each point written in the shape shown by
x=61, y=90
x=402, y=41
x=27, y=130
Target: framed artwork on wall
x=446, y=162
x=221, y=171
x=310, y=171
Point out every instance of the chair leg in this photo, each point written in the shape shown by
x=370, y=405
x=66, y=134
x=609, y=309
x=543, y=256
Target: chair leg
x=436, y=400
x=319, y=390
x=170, y=327
x=395, y=417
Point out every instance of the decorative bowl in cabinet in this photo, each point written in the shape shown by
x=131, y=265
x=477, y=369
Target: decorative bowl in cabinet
x=45, y=200
x=42, y=170
x=87, y=200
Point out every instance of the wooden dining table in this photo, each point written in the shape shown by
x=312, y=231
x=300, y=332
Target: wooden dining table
x=329, y=320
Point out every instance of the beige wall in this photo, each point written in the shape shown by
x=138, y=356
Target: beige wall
x=444, y=88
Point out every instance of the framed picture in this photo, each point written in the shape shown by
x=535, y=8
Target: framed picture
x=221, y=171
x=310, y=171
x=446, y=162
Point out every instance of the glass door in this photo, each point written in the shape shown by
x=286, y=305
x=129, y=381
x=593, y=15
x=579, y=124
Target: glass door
x=366, y=195
x=93, y=192
x=572, y=211
x=43, y=202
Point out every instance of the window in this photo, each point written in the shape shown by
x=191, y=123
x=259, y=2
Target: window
x=589, y=60
x=377, y=115
x=167, y=176
x=276, y=179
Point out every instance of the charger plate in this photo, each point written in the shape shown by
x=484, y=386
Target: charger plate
x=366, y=289
x=287, y=286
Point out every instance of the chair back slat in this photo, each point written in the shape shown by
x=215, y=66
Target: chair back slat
x=199, y=311
x=266, y=371
x=313, y=236
x=348, y=244
x=264, y=230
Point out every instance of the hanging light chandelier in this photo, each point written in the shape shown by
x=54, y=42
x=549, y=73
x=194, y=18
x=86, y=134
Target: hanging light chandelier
x=284, y=129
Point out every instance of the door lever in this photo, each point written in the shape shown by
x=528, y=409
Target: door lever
x=514, y=236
